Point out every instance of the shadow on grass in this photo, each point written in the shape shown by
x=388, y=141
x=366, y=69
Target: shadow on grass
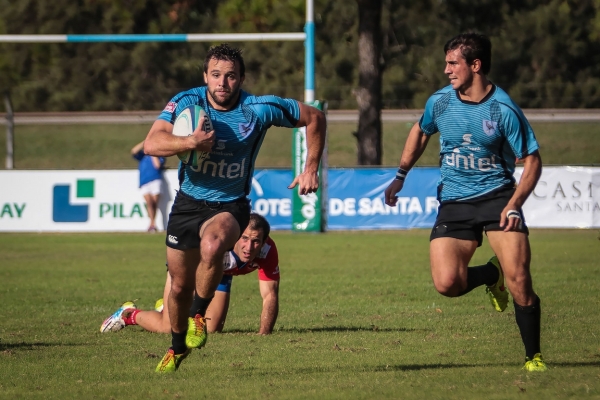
x=331, y=329
x=575, y=364
x=418, y=367
x=8, y=347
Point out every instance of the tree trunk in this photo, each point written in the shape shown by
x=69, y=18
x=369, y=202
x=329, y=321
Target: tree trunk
x=368, y=94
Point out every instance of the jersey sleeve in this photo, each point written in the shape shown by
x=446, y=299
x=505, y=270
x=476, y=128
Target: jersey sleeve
x=268, y=267
x=169, y=113
x=274, y=110
x=519, y=133
x=181, y=101
x=427, y=122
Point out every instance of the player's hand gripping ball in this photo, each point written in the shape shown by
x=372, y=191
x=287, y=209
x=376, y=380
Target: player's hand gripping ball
x=185, y=124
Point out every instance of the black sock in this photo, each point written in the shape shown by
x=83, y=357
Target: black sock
x=178, y=342
x=529, y=320
x=482, y=275
x=199, y=305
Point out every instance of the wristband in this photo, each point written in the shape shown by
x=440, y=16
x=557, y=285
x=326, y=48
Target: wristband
x=513, y=214
x=401, y=174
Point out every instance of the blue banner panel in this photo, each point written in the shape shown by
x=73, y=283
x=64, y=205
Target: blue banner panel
x=355, y=198
x=271, y=198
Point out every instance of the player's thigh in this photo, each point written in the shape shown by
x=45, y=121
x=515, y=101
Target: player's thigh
x=514, y=253
x=449, y=258
x=216, y=313
x=182, y=267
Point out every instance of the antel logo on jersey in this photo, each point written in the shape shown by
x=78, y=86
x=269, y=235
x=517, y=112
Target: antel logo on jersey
x=457, y=160
x=466, y=139
x=63, y=210
x=221, y=169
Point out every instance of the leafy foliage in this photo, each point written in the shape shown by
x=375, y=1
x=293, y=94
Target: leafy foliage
x=545, y=53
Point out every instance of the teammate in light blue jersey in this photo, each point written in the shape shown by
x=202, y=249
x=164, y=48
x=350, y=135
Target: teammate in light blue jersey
x=479, y=141
x=482, y=133
x=211, y=208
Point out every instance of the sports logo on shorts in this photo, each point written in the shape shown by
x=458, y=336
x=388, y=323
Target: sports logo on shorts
x=170, y=107
x=246, y=129
x=173, y=239
x=489, y=127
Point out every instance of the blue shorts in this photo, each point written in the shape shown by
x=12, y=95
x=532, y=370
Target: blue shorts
x=225, y=284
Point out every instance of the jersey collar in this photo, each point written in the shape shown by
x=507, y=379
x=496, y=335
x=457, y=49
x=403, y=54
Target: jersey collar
x=486, y=98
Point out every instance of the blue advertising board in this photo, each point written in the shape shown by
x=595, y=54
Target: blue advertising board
x=355, y=198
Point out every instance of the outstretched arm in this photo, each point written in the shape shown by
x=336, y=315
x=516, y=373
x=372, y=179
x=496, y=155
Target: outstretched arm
x=316, y=129
x=136, y=149
x=269, y=290
x=415, y=145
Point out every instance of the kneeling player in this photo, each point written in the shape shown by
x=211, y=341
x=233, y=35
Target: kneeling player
x=255, y=250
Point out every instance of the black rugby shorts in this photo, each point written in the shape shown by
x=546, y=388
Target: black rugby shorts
x=468, y=219
x=188, y=214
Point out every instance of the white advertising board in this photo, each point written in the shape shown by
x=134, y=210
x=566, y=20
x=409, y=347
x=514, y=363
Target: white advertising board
x=78, y=201
x=564, y=197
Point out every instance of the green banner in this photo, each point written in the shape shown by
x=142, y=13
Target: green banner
x=308, y=212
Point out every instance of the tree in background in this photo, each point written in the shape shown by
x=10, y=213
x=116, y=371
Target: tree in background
x=368, y=93
x=546, y=53
x=102, y=76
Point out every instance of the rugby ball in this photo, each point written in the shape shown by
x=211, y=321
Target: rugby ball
x=185, y=124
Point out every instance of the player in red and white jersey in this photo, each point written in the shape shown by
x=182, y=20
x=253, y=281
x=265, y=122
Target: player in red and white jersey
x=254, y=251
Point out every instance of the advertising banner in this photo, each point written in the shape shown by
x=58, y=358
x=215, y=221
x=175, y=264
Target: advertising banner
x=564, y=197
x=76, y=201
x=356, y=199
x=307, y=211
x=105, y=201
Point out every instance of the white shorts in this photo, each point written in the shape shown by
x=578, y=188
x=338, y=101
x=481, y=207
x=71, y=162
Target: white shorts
x=152, y=187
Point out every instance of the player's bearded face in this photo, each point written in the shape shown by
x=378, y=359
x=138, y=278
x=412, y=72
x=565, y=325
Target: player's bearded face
x=224, y=81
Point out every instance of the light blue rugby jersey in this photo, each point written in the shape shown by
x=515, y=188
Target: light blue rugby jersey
x=479, y=142
x=226, y=174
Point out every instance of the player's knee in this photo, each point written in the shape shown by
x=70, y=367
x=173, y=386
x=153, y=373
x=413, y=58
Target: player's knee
x=213, y=249
x=521, y=281
x=448, y=286
x=181, y=289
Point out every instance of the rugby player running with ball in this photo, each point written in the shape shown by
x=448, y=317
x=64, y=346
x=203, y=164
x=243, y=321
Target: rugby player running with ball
x=211, y=208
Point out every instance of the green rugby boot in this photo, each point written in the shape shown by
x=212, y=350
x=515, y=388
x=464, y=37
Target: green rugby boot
x=196, y=335
x=497, y=293
x=170, y=362
x=536, y=364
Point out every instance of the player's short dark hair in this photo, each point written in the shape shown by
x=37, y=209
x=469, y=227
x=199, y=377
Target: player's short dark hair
x=226, y=53
x=258, y=222
x=473, y=46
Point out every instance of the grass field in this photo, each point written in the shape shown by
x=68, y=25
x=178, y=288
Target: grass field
x=359, y=319
x=107, y=146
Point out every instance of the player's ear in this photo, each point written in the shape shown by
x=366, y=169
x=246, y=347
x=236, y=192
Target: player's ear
x=476, y=65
